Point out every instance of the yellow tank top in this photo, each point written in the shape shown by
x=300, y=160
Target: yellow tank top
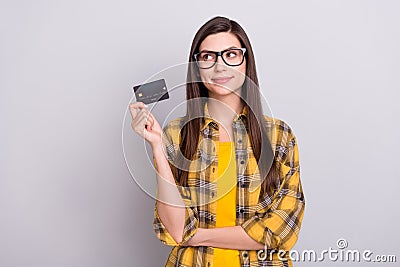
x=226, y=205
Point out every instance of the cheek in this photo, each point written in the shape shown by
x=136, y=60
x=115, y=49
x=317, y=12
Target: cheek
x=241, y=73
x=204, y=75
x=242, y=68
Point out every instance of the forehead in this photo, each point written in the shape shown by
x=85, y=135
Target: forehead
x=219, y=41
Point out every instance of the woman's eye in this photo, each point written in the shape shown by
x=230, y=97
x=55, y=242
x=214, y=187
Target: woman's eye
x=207, y=57
x=232, y=54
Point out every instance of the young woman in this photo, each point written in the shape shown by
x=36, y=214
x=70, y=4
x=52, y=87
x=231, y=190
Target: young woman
x=228, y=175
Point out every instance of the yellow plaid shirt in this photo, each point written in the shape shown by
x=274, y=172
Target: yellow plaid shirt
x=274, y=221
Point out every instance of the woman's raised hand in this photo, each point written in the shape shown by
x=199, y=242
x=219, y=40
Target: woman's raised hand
x=145, y=124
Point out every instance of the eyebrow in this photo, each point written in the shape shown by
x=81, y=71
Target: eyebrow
x=205, y=50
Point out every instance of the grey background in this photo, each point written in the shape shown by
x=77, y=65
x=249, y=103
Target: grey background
x=328, y=68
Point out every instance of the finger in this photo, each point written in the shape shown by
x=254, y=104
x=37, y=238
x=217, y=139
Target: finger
x=149, y=123
x=133, y=111
x=134, y=106
x=148, y=120
x=138, y=105
x=140, y=118
x=152, y=118
x=142, y=113
x=140, y=125
x=145, y=118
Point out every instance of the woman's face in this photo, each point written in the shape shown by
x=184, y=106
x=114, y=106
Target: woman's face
x=222, y=79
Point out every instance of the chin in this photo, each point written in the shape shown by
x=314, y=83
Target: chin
x=220, y=90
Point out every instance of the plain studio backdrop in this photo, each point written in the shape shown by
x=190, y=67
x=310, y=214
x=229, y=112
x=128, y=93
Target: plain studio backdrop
x=67, y=198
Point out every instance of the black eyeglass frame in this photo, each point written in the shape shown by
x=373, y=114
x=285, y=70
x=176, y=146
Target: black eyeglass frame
x=220, y=54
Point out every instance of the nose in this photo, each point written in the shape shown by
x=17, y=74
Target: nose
x=220, y=64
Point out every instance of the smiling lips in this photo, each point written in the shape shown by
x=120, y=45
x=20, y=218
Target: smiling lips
x=222, y=80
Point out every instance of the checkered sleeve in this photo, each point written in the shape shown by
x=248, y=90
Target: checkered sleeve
x=190, y=228
x=191, y=216
x=277, y=225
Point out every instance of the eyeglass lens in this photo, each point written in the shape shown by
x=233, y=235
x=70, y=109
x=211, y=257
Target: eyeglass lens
x=232, y=57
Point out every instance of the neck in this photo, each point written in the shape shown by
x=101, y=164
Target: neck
x=224, y=108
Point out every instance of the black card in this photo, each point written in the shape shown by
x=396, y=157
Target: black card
x=151, y=92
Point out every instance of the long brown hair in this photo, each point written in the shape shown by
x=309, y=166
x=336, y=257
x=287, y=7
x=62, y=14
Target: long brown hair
x=257, y=131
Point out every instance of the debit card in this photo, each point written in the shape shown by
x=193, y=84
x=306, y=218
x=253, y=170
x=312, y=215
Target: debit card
x=151, y=92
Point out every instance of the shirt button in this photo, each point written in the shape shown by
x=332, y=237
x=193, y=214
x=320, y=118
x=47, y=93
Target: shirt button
x=212, y=194
x=240, y=141
x=245, y=254
x=242, y=162
x=213, y=169
x=242, y=184
x=241, y=210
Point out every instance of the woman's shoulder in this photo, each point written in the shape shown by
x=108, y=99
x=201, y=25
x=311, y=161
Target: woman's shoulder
x=174, y=124
x=283, y=141
x=173, y=128
x=281, y=126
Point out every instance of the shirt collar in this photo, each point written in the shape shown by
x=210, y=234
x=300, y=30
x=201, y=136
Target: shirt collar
x=208, y=119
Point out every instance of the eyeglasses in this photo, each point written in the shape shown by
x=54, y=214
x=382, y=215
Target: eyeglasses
x=231, y=57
